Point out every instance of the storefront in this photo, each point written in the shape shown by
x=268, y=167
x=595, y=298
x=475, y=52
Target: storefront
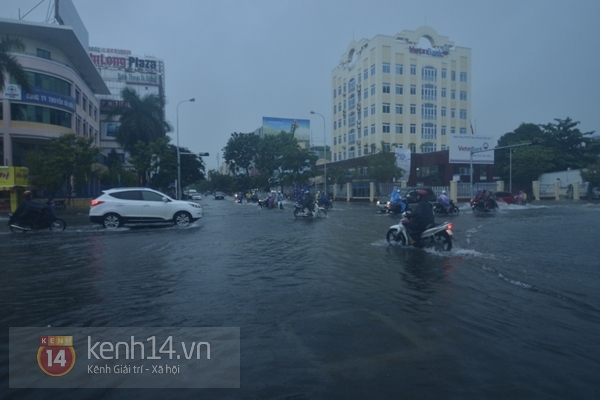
x=13, y=182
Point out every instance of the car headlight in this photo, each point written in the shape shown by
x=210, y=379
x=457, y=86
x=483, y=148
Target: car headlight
x=195, y=205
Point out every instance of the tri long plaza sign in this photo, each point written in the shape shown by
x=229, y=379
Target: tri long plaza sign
x=461, y=147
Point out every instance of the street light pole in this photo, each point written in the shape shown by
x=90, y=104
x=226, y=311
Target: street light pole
x=179, y=155
x=324, y=149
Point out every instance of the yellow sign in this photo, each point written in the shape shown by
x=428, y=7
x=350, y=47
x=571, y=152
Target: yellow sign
x=13, y=176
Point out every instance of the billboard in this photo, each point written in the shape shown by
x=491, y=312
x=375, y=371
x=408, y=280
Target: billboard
x=403, y=161
x=108, y=130
x=462, y=145
x=66, y=14
x=300, y=127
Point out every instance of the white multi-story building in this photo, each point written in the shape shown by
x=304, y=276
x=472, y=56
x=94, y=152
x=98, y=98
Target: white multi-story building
x=411, y=90
x=119, y=68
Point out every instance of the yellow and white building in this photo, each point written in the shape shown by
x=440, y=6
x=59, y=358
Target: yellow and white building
x=411, y=90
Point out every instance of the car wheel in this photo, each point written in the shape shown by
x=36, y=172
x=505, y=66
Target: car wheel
x=182, y=218
x=112, y=221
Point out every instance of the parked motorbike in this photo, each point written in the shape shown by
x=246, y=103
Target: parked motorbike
x=301, y=212
x=35, y=221
x=440, y=210
x=435, y=234
x=484, y=205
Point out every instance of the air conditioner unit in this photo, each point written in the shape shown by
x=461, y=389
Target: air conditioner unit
x=358, y=87
x=358, y=105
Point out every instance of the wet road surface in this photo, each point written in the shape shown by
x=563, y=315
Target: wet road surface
x=326, y=308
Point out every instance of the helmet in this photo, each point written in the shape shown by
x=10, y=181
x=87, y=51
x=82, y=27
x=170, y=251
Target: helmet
x=443, y=192
x=423, y=192
x=27, y=193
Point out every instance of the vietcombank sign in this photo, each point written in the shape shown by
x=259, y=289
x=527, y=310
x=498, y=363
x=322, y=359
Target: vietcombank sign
x=461, y=147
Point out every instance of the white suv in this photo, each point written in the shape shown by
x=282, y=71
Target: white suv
x=115, y=207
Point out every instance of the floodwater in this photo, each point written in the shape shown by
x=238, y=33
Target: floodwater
x=326, y=308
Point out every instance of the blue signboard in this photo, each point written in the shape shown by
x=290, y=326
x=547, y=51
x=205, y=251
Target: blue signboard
x=49, y=99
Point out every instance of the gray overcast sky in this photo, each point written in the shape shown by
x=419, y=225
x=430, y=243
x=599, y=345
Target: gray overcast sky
x=532, y=60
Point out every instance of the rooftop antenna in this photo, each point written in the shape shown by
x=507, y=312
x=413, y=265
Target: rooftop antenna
x=20, y=18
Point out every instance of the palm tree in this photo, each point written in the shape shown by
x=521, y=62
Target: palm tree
x=9, y=64
x=142, y=119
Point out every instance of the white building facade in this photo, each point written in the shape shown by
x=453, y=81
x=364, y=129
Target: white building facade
x=64, y=88
x=411, y=90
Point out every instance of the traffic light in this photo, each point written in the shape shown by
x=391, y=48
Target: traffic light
x=203, y=154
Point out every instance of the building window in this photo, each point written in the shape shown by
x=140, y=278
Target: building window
x=385, y=67
x=372, y=129
x=444, y=73
x=351, y=85
x=351, y=152
x=386, y=88
x=385, y=108
x=443, y=130
x=77, y=96
x=372, y=109
x=44, y=115
x=84, y=103
x=428, y=147
x=452, y=113
x=399, y=69
x=463, y=76
x=428, y=131
x=443, y=93
x=334, y=128
x=352, y=119
x=334, y=93
x=366, y=74
x=429, y=74
x=359, y=76
x=399, y=129
x=428, y=111
x=351, y=101
x=385, y=128
x=339, y=90
x=443, y=111
x=366, y=112
x=463, y=95
x=413, y=129
x=452, y=130
x=463, y=131
x=351, y=137
x=372, y=90
x=452, y=75
x=429, y=92
x=47, y=82
x=413, y=90
x=399, y=108
x=463, y=114
x=399, y=89
x=358, y=151
x=41, y=53
x=366, y=94
x=372, y=69
x=452, y=94
x=365, y=131
x=413, y=109
x=344, y=88
x=413, y=69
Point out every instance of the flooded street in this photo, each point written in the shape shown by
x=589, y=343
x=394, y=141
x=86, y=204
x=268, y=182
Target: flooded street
x=326, y=308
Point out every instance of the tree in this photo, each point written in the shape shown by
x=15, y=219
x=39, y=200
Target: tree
x=142, y=120
x=9, y=64
x=115, y=174
x=573, y=148
x=67, y=161
x=592, y=174
x=240, y=150
x=382, y=167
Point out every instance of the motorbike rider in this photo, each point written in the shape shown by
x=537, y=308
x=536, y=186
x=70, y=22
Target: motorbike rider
x=420, y=218
x=444, y=200
x=307, y=202
x=324, y=200
x=279, y=200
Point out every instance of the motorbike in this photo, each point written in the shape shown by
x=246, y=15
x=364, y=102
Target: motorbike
x=438, y=234
x=392, y=208
x=324, y=205
x=264, y=203
x=484, y=205
x=440, y=210
x=300, y=212
x=36, y=221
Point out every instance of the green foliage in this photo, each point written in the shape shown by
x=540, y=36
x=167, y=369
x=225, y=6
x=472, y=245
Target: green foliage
x=382, y=166
x=116, y=174
x=9, y=64
x=224, y=183
x=592, y=174
x=557, y=147
x=142, y=120
x=68, y=160
x=240, y=151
